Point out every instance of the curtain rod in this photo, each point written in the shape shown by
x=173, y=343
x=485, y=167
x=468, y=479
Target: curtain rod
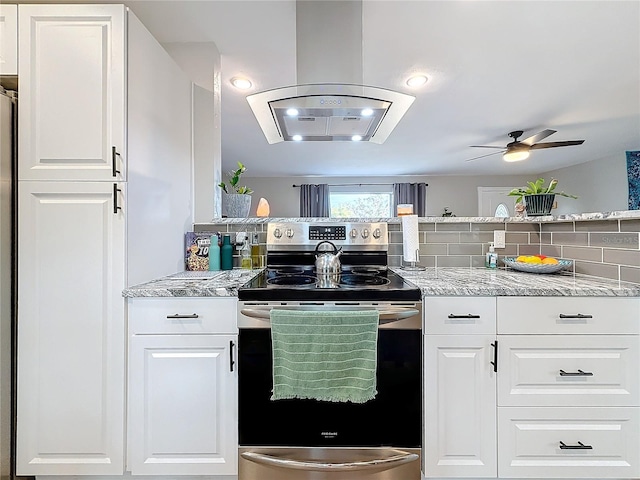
x=352, y=184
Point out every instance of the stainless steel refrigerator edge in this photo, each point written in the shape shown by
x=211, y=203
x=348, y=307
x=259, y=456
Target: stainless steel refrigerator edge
x=7, y=161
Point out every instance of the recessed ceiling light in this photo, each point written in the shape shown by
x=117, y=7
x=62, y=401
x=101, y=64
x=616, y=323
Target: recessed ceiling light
x=417, y=80
x=241, y=83
x=297, y=138
x=292, y=112
x=367, y=112
x=356, y=138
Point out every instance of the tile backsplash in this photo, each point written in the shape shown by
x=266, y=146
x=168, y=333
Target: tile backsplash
x=605, y=248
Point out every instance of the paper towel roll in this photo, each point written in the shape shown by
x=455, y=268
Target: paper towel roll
x=410, y=243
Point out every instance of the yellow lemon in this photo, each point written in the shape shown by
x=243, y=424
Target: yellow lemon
x=534, y=260
x=550, y=261
x=521, y=258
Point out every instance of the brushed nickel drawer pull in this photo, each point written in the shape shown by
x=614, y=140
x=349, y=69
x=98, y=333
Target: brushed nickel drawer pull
x=451, y=315
x=578, y=315
x=579, y=373
x=178, y=315
x=580, y=446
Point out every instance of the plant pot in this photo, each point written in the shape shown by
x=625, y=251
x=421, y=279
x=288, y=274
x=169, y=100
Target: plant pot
x=237, y=205
x=539, y=204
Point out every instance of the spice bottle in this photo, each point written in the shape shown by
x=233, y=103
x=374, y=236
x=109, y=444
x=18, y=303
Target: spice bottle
x=226, y=253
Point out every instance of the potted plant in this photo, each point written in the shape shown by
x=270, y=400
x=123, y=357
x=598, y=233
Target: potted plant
x=237, y=199
x=538, y=198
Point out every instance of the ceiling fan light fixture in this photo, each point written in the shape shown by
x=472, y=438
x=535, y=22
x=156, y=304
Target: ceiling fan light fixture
x=515, y=155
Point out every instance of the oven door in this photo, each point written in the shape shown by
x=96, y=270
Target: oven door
x=392, y=419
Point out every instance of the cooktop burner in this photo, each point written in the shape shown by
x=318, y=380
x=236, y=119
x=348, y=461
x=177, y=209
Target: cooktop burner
x=295, y=280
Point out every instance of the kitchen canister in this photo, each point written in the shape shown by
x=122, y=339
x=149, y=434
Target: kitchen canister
x=226, y=253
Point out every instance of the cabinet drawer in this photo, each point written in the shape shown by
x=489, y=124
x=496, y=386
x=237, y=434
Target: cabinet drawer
x=182, y=315
x=554, y=442
x=580, y=370
x=460, y=315
x=557, y=315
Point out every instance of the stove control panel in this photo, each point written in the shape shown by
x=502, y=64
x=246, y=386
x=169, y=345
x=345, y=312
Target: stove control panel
x=304, y=236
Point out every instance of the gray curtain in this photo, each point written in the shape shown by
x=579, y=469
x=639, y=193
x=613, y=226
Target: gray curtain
x=415, y=193
x=314, y=200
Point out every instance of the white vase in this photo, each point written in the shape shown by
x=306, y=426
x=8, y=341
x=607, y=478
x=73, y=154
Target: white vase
x=237, y=205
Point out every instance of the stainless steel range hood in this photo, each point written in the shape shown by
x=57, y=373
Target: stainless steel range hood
x=341, y=108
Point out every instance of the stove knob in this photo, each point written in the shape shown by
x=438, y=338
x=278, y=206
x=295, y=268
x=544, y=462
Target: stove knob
x=365, y=233
x=289, y=232
x=277, y=233
x=353, y=233
x=376, y=233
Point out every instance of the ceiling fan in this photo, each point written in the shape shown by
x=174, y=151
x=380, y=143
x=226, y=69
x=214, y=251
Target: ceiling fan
x=519, y=149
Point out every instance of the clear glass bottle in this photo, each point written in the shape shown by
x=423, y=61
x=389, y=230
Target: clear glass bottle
x=245, y=255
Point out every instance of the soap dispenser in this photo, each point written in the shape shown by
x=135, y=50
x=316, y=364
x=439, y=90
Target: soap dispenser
x=491, y=259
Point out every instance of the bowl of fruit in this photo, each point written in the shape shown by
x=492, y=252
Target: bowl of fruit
x=536, y=263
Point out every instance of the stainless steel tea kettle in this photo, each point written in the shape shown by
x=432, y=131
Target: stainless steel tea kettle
x=327, y=262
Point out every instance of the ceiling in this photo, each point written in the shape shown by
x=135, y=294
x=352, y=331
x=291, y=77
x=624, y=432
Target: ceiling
x=493, y=67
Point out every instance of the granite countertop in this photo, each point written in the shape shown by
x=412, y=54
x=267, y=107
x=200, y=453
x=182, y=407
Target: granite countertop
x=432, y=282
x=223, y=283
x=506, y=282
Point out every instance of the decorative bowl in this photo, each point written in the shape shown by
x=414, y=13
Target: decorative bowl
x=536, y=267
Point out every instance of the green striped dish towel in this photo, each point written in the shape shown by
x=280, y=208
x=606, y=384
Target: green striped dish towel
x=324, y=355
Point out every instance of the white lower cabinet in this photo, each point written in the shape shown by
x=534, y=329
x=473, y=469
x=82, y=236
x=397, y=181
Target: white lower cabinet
x=182, y=387
x=563, y=403
x=568, y=442
x=459, y=399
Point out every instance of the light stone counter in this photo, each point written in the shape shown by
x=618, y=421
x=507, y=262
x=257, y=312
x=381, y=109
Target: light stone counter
x=505, y=282
x=432, y=282
x=223, y=283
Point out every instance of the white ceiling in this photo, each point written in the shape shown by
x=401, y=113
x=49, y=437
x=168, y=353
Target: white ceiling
x=494, y=67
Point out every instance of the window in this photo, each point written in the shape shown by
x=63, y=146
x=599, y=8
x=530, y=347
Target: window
x=361, y=201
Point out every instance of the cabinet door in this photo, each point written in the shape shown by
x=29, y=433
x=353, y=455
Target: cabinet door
x=183, y=405
x=72, y=92
x=8, y=39
x=71, y=332
x=460, y=406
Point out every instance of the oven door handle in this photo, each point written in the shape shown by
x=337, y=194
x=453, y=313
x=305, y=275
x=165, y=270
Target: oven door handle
x=398, y=457
x=385, y=316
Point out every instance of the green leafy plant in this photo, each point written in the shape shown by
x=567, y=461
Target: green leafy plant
x=537, y=188
x=234, y=179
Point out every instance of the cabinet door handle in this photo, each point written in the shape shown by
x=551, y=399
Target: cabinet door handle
x=451, y=315
x=579, y=446
x=179, y=315
x=231, y=362
x=114, y=154
x=495, y=356
x=578, y=315
x=116, y=207
x=579, y=373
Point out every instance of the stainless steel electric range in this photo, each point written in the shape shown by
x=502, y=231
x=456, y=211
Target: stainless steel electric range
x=302, y=439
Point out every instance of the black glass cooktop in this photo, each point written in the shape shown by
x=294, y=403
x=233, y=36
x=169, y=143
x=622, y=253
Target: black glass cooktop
x=357, y=283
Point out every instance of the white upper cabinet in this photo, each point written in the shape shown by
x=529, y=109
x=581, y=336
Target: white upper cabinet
x=72, y=92
x=8, y=39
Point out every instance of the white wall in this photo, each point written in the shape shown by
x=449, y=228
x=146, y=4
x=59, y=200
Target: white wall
x=201, y=62
x=459, y=193
x=601, y=186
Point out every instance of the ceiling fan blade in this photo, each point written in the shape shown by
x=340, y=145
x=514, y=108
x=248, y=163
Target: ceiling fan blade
x=482, y=156
x=569, y=143
x=486, y=146
x=537, y=137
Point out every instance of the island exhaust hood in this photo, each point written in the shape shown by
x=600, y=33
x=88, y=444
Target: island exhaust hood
x=341, y=108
